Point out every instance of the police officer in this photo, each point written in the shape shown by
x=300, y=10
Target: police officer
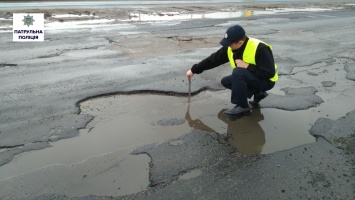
x=254, y=70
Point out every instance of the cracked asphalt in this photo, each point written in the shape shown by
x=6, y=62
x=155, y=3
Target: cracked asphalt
x=44, y=84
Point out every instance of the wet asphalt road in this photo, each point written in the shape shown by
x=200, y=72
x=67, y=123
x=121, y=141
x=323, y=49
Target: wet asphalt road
x=42, y=84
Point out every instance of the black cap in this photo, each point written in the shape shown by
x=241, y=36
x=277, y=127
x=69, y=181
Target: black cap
x=233, y=34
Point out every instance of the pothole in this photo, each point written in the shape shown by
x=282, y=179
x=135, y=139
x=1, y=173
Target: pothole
x=125, y=122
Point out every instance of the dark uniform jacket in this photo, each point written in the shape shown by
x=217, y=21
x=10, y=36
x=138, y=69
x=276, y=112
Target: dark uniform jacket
x=264, y=68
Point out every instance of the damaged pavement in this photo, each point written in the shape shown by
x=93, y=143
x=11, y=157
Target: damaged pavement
x=43, y=95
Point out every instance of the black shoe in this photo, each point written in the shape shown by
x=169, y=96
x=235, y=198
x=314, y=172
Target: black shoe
x=258, y=97
x=237, y=110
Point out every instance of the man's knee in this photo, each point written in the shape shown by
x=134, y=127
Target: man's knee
x=239, y=72
x=226, y=82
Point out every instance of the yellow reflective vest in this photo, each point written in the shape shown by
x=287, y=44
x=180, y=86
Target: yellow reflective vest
x=249, y=55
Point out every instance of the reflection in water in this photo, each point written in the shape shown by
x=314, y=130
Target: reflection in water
x=196, y=124
x=245, y=133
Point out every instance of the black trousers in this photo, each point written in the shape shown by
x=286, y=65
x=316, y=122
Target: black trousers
x=244, y=85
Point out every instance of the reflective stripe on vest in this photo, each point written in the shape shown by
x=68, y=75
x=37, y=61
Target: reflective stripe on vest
x=249, y=55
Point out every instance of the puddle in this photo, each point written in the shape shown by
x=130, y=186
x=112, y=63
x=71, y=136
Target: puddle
x=130, y=121
x=112, y=174
x=125, y=122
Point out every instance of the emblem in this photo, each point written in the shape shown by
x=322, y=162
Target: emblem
x=28, y=20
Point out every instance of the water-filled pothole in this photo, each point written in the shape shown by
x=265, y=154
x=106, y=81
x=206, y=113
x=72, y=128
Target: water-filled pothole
x=124, y=122
x=157, y=118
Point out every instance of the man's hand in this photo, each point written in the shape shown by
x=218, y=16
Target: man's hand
x=240, y=63
x=189, y=74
